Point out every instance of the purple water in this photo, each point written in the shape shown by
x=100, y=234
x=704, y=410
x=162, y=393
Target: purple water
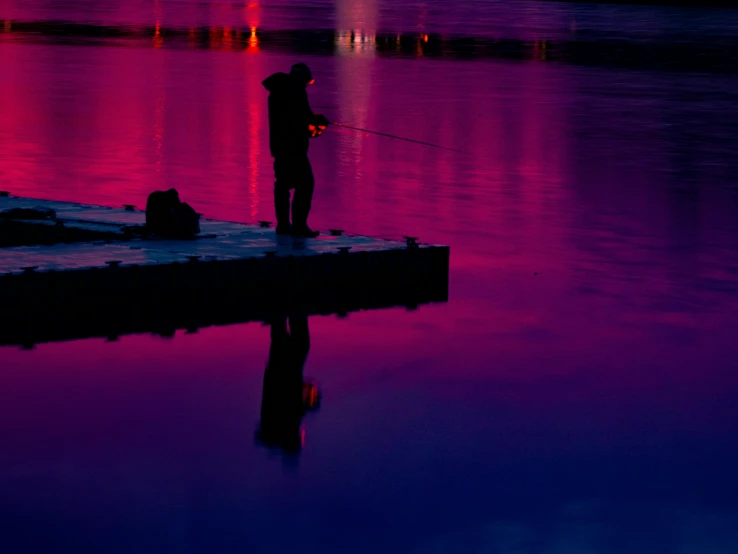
x=578, y=391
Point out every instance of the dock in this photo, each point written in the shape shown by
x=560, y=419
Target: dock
x=82, y=272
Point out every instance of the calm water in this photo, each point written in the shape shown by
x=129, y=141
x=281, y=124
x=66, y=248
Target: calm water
x=578, y=392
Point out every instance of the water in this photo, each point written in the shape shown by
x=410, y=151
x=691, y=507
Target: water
x=576, y=394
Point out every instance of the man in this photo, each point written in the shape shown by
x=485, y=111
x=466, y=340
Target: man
x=291, y=125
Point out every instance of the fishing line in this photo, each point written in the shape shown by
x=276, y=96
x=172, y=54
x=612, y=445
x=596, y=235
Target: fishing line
x=398, y=138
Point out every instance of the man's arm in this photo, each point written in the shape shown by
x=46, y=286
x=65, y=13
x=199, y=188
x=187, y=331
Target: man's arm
x=319, y=120
x=316, y=120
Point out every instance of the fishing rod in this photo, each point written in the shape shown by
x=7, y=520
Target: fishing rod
x=398, y=138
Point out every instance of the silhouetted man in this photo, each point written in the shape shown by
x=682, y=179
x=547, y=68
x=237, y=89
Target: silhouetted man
x=291, y=125
x=286, y=397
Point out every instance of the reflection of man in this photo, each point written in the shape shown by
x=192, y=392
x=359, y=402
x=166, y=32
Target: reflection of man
x=286, y=398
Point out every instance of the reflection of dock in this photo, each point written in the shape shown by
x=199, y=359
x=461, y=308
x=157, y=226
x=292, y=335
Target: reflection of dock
x=233, y=272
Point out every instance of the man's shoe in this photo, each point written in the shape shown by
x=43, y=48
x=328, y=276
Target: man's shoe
x=284, y=229
x=304, y=232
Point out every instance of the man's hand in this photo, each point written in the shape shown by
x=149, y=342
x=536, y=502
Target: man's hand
x=321, y=121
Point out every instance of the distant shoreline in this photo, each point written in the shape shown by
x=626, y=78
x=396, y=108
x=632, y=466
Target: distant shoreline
x=677, y=51
x=658, y=3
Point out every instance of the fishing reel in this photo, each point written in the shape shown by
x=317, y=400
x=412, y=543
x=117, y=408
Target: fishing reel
x=310, y=395
x=316, y=130
x=320, y=123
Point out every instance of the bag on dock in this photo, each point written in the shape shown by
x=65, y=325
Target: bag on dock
x=28, y=213
x=167, y=217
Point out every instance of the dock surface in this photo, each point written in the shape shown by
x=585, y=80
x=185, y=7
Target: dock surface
x=84, y=271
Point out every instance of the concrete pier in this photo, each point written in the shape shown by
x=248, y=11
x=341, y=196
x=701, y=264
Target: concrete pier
x=83, y=273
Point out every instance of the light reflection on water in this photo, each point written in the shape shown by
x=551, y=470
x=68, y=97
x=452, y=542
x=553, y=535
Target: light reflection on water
x=576, y=392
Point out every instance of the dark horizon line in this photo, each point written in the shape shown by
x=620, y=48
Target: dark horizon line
x=673, y=52
x=60, y=27
x=728, y=4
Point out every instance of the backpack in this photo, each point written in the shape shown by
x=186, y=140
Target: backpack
x=167, y=217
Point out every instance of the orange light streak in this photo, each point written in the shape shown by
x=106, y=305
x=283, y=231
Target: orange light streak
x=253, y=39
x=158, y=39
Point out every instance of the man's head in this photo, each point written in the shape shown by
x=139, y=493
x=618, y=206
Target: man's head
x=302, y=72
